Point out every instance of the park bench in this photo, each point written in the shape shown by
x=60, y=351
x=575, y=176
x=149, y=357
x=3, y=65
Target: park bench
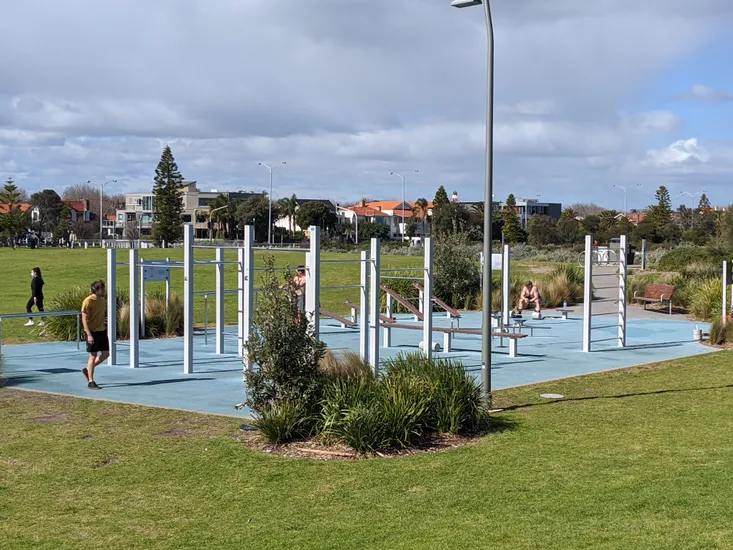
x=449, y=332
x=564, y=313
x=656, y=293
x=451, y=312
x=404, y=303
x=345, y=323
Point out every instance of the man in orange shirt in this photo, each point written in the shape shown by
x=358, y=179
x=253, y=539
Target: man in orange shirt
x=93, y=317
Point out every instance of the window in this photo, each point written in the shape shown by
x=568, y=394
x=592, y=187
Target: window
x=149, y=203
x=205, y=201
x=186, y=218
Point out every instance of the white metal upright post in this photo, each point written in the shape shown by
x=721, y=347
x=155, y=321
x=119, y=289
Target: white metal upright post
x=364, y=306
x=373, y=318
x=428, y=300
x=726, y=282
x=623, y=271
x=388, y=312
x=246, y=290
x=219, y=301
x=142, y=299
x=188, y=299
x=506, y=285
x=643, y=254
x=587, y=292
x=134, y=311
x=313, y=279
x=112, y=305
x=168, y=285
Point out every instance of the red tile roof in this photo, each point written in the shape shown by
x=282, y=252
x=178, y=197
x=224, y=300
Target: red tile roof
x=367, y=211
x=24, y=207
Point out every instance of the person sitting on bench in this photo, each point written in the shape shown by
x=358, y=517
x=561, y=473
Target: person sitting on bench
x=529, y=295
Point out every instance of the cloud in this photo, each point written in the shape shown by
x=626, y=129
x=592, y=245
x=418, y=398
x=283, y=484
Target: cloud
x=680, y=152
x=705, y=94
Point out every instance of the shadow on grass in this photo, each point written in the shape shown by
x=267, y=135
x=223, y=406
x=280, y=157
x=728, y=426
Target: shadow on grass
x=619, y=396
x=500, y=424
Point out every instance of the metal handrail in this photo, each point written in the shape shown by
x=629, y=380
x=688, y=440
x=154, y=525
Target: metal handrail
x=43, y=314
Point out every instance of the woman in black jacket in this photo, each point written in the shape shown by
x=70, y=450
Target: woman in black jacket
x=36, y=295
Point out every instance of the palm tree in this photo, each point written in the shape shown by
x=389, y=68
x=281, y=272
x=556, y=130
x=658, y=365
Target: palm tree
x=608, y=219
x=291, y=209
x=221, y=217
x=421, y=207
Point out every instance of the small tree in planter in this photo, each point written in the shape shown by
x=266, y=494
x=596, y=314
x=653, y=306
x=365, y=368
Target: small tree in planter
x=284, y=384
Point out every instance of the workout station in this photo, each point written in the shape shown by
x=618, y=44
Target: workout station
x=197, y=372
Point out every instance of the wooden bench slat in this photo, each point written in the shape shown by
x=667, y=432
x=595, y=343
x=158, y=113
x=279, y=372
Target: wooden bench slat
x=453, y=312
x=474, y=331
x=357, y=307
x=342, y=320
x=404, y=303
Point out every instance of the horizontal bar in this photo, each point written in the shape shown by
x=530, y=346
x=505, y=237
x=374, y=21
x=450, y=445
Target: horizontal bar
x=606, y=326
x=604, y=313
x=606, y=274
x=342, y=261
x=340, y=287
x=212, y=292
x=401, y=270
x=40, y=314
x=604, y=287
x=122, y=342
x=604, y=340
x=274, y=269
x=232, y=247
x=405, y=278
x=281, y=249
x=214, y=262
x=170, y=265
x=123, y=263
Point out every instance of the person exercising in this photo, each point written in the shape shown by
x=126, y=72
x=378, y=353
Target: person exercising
x=529, y=295
x=93, y=317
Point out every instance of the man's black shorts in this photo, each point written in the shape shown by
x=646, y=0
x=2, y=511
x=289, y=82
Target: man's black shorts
x=101, y=342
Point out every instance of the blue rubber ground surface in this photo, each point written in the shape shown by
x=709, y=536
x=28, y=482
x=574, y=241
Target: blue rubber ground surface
x=217, y=385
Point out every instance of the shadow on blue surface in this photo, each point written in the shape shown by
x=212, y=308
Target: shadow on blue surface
x=217, y=383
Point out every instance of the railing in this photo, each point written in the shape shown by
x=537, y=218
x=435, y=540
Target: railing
x=8, y=316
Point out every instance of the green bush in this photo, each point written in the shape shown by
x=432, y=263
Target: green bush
x=283, y=421
x=405, y=400
x=718, y=333
x=283, y=353
x=706, y=299
x=701, y=270
x=678, y=258
x=346, y=364
x=64, y=328
x=350, y=412
x=457, y=277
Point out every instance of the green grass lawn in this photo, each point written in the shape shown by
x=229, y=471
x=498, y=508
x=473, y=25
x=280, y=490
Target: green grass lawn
x=637, y=458
x=63, y=268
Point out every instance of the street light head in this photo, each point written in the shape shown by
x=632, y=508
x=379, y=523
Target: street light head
x=465, y=3
x=285, y=162
x=416, y=170
x=259, y=164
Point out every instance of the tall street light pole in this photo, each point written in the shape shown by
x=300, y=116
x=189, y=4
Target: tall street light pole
x=624, y=189
x=403, y=200
x=101, y=208
x=211, y=221
x=269, y=217
x=488, y=204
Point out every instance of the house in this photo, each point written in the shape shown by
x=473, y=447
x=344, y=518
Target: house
x=24, y=207
x=79, y=210
x=636, y=217
x=528, y=208
x=390, y=213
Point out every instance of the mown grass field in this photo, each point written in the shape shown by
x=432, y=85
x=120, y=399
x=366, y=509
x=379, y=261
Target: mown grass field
x=63, y=268
x=638, y=458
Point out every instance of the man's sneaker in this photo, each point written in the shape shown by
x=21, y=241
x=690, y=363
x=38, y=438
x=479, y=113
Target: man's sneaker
x=93, y=386
x=29, y=324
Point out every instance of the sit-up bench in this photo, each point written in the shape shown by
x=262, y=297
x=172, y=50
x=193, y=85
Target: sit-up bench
x=355, y=309
x=449, y=332
x=345, y=323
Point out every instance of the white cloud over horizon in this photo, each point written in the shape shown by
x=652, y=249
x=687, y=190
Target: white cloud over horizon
x=348, y=92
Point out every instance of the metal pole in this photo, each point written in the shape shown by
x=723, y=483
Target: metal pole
x=486, y=285
x=313, y=279
x=726, y=282
x=587, y=292
x=188, y=299
x=373, y=318
x=220, y=301
x=112, y=305
x=403, y=208
x=134, y=311
x=101, y=208
x=142, y=299
x=506, y=286
x=428, y=300
x=357, y=229
x=269, y=216
x=364, y=306
x=168, y=285
x=622, y=279
x=247, y=287
x=643, y=254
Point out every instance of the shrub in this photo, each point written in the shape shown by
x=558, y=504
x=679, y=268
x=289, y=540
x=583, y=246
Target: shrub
x=701, y=270
x=677, y=258
x=64, y=328
x=706, y=299
x=718, y=332
x=457, y=277
x=123, y=322
x=346, y=364
x=350, y=412
x=159, y=320
x=405, y=400
x=282, y=351
x=283, y=421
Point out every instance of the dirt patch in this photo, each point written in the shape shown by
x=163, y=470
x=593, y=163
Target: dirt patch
x=316, y=449
x=105, y=462
x=54, y=418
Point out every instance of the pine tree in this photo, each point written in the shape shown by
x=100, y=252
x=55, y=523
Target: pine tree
x=661, y=212
x=168, y=199
x=512, y=226
x=14, y=221
x=704, y=203
x=441, y=198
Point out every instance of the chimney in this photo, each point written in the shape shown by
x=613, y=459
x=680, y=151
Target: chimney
x=363, y=203
x=379, y=208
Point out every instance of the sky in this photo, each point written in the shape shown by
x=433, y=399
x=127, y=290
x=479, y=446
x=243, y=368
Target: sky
x=588, y=95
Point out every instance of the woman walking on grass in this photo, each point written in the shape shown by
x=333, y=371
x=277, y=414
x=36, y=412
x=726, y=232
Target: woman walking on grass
x=36, y=298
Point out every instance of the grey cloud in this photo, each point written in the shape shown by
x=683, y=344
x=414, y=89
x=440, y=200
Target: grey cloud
x=704, y=94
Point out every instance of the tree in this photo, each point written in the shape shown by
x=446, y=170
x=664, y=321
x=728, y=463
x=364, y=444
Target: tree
x=372, y=230
x=661, y=213
x=168, y=216
x=591, y=224
x=441, y=198
x=63, y=227
x=421, y=209
x=704, y=203
x=255, y=211
x=512, y=228
x=48, y=204
x=541, y=231
x=569, y=213
x=83, y=230
x=315, y=213
x=90, y=192
x=726, y=228
x=411, y=226
x=14, y=221
x=583, y=210
x=568, y=230
x=608, y=220
x=451, y=218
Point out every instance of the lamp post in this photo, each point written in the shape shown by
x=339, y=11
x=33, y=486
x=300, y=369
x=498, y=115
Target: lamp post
x=269, y=217
x=403, y=199
x=101, y=209
x=356, y=238
x=692, y=195
x=626, y=210
x=211, y=221
x=486, y=283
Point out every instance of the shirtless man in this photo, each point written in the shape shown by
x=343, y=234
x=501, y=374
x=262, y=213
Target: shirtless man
x=530, y=295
